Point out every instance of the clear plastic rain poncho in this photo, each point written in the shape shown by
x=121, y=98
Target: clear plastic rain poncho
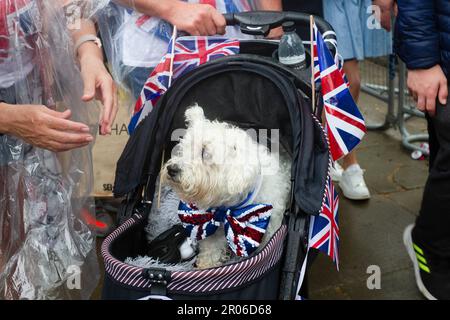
x=47, y=249
x=134, y=43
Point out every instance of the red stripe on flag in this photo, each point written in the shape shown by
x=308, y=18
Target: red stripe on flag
x=332, y=81
x=345, y=118
x=210, y=2
x=322, y=240
x=138, y=106
x=141, y=20
x=336, y=151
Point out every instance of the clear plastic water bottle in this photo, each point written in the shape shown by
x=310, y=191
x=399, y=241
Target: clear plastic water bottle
x=291, y=51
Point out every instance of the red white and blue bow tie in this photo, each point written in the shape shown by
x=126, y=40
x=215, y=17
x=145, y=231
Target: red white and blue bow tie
x=244, y=226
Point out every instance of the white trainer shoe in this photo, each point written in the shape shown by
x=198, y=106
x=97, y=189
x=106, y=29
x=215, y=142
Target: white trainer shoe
x=353, y=185
x=336, y=172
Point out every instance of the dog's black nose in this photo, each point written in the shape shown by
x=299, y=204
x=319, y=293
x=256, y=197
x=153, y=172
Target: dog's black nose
x=173, y=170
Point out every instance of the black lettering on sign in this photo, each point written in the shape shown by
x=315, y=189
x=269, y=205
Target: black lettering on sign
x=123, y=129
x=107, y=187
x=115, y=130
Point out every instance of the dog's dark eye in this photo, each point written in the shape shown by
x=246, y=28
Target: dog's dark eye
x=205, y=154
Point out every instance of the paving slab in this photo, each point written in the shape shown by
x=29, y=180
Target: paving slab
x=410, y=200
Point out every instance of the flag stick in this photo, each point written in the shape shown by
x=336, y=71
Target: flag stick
x=313, y=82
x=174, y=38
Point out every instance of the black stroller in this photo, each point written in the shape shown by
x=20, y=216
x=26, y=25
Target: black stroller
x=251, y=90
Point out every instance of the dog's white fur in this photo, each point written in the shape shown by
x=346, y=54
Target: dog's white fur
x=219, y=165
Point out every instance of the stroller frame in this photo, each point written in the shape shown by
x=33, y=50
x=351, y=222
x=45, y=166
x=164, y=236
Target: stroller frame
x=139, y=199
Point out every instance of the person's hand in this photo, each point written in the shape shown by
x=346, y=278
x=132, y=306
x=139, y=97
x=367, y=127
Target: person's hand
x=99, y=84
x=386, y=7
x=427, y=85
x=196, y=19
x=44, y=128
x=275, y=34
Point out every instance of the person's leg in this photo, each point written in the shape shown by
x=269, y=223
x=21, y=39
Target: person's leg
x=428, y=241
x=351, y=69
x=352, y=181
x=432, y=228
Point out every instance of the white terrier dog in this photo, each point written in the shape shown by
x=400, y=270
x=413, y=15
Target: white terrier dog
x=217, y=165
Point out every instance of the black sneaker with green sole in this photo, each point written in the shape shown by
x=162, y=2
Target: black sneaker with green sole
x=432, y=274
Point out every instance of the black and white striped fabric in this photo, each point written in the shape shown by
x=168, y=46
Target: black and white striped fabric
x=199, y=281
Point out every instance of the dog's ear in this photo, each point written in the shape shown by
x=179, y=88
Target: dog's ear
x=194, y=114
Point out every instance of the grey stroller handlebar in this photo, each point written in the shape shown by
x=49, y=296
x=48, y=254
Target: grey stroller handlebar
x=261, y=22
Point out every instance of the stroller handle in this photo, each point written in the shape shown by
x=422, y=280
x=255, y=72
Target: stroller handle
x=261, y=22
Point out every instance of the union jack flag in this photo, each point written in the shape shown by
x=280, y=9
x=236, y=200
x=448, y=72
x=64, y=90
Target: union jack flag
x=324, y=230
x=337, y=58
x=244, y=226
x=344, y=122
x=186, y=54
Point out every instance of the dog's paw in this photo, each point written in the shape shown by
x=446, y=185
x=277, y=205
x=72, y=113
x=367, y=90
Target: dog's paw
x=212, y=251
x=194, y=114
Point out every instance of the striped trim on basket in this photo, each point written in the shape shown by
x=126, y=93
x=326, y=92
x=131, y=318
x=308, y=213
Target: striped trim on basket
x=209, y=280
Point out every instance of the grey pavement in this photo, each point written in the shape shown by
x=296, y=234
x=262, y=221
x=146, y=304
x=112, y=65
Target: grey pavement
x=371, y=231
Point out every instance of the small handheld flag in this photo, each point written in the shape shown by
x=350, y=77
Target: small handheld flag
x=183, y=55
x=344, y=122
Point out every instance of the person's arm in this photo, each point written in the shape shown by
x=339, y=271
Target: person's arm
x=98, y=83
x=43, y=127
x=417, y=44
x=386, y=8
x=195, y=19
x=271, y=5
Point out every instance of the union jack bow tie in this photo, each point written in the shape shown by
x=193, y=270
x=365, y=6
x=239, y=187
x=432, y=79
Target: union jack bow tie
x=244, y=226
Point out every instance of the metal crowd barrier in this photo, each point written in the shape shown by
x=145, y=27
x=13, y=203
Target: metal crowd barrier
x=385, y=79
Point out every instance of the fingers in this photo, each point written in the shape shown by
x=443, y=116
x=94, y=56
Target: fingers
x=70, y=138
x=421, y=103
x=108, y=96
x=430, y=104
x=209, y=24
x=115, y=110
x=89, y=86
x=443, y=93
x=276, y=33
x=205, y=20
x=59, y=121
x=67, y=125
x=199, y=28
x=62, y=115
x=219, y=21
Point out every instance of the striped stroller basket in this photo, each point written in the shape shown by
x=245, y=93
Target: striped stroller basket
x=253, y=91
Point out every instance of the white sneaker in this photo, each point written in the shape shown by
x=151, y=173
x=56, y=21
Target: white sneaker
x=353, y=185
x=336, y=172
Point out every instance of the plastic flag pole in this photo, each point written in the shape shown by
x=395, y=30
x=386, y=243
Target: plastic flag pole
x=172, y=57
x=313, y=82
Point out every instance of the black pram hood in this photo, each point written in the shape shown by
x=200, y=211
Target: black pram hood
x=246, y=90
